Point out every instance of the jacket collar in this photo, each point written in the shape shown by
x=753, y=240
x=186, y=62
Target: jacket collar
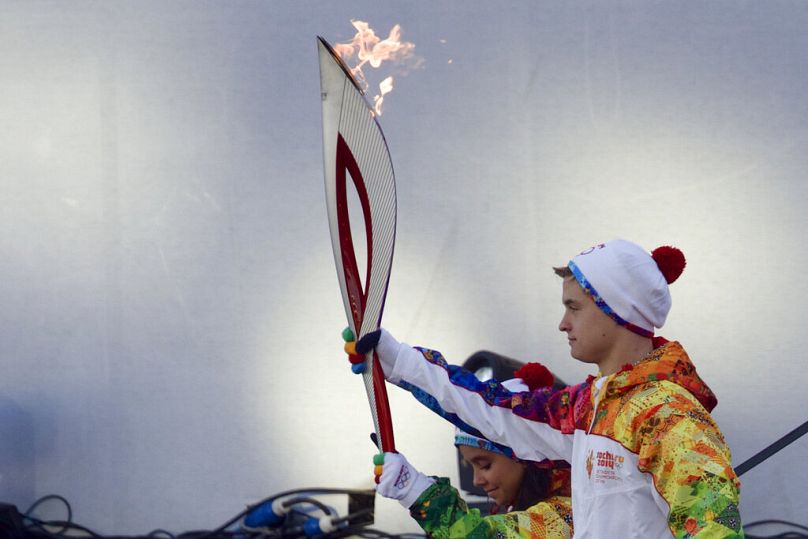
x=668, y=361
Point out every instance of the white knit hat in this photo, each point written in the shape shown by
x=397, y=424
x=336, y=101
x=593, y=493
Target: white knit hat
x=629, y=284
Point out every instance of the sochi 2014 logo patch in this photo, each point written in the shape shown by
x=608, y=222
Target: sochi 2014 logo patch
x=604, y=466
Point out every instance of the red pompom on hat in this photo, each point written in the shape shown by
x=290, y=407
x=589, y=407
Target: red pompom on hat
x=670, y=260
x=535, y=375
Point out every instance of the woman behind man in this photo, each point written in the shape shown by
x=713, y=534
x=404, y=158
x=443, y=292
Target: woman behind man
x=534, y=495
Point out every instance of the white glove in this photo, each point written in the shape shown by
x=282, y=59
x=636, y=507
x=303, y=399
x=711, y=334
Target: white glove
x=400, y=481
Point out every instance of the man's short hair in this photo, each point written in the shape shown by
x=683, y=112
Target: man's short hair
x=563, y=271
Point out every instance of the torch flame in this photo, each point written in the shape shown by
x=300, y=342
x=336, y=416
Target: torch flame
x=385, y=87
x=368, y=48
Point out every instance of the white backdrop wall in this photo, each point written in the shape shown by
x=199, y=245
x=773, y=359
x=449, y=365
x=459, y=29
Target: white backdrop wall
x=170, y=310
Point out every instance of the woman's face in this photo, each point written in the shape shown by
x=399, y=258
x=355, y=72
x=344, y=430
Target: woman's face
x=500, y=476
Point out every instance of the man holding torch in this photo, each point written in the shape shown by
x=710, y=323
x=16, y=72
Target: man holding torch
x=647, y=458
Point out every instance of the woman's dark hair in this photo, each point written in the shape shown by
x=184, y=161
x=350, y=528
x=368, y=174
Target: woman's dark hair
x=535, y=488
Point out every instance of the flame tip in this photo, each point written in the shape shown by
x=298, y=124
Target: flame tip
x=368, y=48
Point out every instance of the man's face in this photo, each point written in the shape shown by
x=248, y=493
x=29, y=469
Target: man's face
x=590, y=332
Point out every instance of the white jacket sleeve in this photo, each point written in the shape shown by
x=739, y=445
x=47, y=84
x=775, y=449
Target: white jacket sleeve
x=530, y=440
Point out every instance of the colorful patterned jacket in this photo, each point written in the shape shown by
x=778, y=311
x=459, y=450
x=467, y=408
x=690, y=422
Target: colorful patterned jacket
x=647, y=458
x=443, y=514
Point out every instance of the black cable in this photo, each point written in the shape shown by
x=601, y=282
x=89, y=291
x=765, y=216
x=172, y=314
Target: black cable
x=360, y=529
x=213, y=533
x=782, y=535
x=756, y=459
x=775, y=521
x=158, y=533
x=300, y=531
x=371, y=533
x=66, y=526
x=349, y=516
x=317, y=503
x=207, y=534
x=43, y=499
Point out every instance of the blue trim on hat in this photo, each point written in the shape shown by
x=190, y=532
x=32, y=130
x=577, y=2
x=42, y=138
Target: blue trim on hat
x=602, y=305
x=464, y=438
